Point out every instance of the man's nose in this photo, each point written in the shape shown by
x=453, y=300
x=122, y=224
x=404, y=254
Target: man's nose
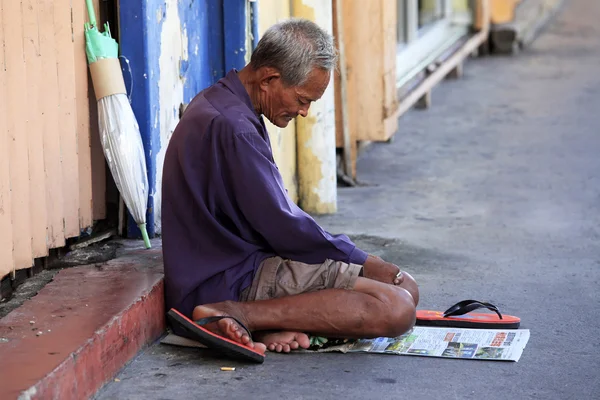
x=303, y=112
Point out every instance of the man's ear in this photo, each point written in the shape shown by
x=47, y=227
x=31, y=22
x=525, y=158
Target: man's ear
x=267, y=76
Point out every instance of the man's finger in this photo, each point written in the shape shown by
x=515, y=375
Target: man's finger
x=399, y=278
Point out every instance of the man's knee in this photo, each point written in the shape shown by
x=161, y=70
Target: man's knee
x=401, y=315
x=411, y=286
x=392, y=309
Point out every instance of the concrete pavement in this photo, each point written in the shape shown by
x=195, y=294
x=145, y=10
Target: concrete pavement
x=492, y=194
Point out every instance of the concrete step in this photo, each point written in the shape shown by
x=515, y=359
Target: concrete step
x=82, y=328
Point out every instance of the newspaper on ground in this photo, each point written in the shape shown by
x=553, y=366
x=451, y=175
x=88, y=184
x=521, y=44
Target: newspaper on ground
x=477, y=344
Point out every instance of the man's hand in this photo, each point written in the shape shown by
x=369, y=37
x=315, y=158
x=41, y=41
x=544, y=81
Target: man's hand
x=377, y=269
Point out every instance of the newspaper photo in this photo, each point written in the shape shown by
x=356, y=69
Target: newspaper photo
x=477, y=344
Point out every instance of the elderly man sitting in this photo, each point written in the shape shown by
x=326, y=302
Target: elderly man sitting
x=234, y=244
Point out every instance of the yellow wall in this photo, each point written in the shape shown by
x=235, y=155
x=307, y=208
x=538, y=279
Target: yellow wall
x=283, y=141
x=503, y=11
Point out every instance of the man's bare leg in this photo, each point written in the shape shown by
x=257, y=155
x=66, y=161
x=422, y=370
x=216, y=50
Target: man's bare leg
x=372, y=309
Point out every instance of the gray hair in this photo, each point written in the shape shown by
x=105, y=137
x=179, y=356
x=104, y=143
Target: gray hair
x=295, y=47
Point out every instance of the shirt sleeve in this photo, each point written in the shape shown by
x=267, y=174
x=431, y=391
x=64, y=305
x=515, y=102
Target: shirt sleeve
x=260, y=194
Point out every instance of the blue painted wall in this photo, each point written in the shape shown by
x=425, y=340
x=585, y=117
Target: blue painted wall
x=139, y=33
x=216, y=37
x=235, y=33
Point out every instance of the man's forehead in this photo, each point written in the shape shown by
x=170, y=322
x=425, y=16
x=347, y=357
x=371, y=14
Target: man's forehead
x=315, y=84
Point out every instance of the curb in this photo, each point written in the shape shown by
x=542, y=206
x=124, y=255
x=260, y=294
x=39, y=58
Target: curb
x=87, y=324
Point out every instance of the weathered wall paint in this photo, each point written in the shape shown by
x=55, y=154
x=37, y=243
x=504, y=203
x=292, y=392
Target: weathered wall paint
x=176, y=48
x=174, y=54
x=140, y=28
x=235, y=16
x=317, y=180
x=283, y=140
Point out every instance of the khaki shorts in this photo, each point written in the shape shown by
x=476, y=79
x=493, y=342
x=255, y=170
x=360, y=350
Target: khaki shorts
x=277, y=277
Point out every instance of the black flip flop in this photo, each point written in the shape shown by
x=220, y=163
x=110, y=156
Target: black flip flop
x=213, y=341
x=455, y=317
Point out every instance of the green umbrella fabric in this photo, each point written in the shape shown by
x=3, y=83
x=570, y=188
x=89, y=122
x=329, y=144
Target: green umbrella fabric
x=98, y=44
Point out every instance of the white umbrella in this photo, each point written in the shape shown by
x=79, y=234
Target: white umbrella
x=119, y=130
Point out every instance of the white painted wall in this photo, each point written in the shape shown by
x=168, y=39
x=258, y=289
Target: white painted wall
x=174, y=45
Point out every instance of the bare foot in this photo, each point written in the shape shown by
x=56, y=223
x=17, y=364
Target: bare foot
x=284, y=341
x=227, y=327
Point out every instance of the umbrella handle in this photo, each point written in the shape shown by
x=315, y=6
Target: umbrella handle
x=91, y=12
x=145, y=235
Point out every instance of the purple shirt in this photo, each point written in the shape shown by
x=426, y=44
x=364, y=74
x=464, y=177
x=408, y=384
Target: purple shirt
x=224, y=206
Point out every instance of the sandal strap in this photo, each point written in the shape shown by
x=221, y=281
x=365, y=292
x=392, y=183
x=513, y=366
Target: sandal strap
x=466, y=306
x=209, y=320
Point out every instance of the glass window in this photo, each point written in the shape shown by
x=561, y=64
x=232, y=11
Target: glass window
x=425, y=30
x=430, y=11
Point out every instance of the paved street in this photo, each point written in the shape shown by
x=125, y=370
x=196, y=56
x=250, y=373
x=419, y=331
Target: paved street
x=492, y=194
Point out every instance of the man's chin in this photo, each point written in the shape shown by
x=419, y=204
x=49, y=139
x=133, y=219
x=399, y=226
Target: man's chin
x=281, y=122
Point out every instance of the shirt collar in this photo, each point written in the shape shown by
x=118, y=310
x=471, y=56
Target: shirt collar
x=232, y=82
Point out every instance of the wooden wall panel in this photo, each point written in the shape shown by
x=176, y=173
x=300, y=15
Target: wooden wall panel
x=390, y=46
x=369, y=30
x=34, y=76
x=45, y=130
x=82, y=93
x=364, y=56
x=97, y=155
x=67, y=115
x=52, y=137
x=16, y=110
x=6, y=230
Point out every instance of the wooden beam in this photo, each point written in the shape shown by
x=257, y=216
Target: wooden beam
x=456, y=72
x=424, y=101
x=348, y=143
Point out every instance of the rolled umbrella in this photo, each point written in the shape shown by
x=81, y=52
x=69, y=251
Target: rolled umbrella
x=119, y=130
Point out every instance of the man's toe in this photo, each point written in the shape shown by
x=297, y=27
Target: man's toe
x=303, y=340
x=260, y=347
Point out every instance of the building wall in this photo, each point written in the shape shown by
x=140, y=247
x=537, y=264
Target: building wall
x=176, y=49
x=51, y=162
x=503, y=11
x=283, y=140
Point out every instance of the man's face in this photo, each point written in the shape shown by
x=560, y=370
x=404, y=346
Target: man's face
x=283, y=103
